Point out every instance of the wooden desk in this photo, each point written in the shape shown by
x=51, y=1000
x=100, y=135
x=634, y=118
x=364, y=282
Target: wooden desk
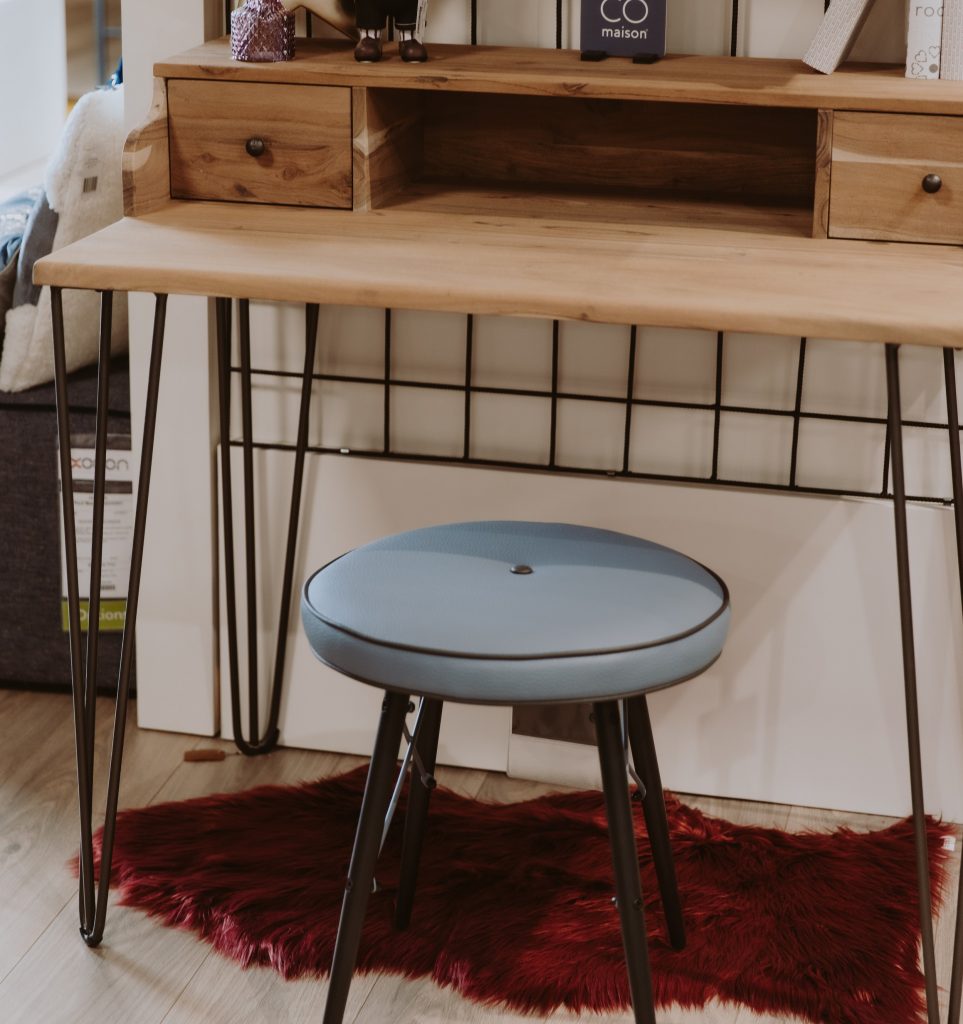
x=606, y=272
x=732, y=194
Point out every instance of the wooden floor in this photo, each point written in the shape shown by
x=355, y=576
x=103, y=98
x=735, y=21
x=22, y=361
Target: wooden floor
x=146, y=974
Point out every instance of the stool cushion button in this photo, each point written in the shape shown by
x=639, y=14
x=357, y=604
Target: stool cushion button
x=522, y=570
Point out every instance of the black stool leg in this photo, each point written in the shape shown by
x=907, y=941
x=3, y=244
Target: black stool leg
x=367, y=839
x=628, y=887
x=653, y=804
x=419, y=795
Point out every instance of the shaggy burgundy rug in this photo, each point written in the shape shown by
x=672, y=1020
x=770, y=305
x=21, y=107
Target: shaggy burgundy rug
x=514, y=904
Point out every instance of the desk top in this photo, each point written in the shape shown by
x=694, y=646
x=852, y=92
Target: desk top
x=689, y=78
x=616, y=272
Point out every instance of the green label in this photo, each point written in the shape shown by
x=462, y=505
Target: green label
x=113, y=615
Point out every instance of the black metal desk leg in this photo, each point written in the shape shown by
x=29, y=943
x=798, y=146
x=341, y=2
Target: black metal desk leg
x=93, y=902
x=256, y=743
x=96, y=563
x=909, y=678
x=953, y=418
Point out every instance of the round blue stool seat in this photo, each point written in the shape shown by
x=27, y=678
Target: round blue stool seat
x=515, y=612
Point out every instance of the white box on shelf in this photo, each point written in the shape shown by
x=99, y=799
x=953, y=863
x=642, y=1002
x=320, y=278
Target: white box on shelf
x=924, y=39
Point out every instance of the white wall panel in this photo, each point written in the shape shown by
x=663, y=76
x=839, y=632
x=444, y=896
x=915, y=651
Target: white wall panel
x=348, y=502
x=33, y=81
x=176, y=649
x=806, y=703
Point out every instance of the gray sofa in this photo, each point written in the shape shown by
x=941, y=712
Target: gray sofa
x=33, y=645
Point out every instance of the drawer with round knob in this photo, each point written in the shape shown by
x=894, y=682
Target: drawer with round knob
x=260, y=143
x=897, y=177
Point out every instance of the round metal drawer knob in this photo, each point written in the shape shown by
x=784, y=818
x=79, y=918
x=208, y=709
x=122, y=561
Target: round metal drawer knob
x=255, y=147
x=932, y=183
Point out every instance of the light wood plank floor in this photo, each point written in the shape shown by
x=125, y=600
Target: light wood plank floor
x=146, y=974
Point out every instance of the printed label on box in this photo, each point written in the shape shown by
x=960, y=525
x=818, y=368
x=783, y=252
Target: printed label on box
x=118, y=530
x=624, y=28
x=924, y=40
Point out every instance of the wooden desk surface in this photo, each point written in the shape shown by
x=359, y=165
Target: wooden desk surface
x=713, y=279
x=688, y=78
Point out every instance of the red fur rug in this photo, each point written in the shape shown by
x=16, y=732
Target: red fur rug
x=515, y=901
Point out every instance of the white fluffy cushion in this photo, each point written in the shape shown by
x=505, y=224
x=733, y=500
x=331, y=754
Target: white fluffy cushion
x=84, y=187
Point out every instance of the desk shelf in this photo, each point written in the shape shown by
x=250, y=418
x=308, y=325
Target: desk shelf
x=520, y=71
x=743, y=144
x=602, y=208
x=648, y=157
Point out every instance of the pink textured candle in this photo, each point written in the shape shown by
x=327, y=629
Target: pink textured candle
x=262, y=30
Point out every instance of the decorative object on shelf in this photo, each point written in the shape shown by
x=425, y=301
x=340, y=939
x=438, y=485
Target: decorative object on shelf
x=951, y=56
x=837, y=33
x=372, y=18
x=924, y=39
x=367, y=20
x=262, y=30
x=623, y=28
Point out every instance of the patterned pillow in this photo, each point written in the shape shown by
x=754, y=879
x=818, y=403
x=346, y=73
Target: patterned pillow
x=14, y=214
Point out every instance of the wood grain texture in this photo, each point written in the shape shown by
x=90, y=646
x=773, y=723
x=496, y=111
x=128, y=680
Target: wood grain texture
x=306, y=132
x=39, y=828
x=542, y=72
x=697, y=149
x=146, y=162
x=690, y=277
x=388, y=144
x=879, y=162
x=824, y=173
x=608, y=207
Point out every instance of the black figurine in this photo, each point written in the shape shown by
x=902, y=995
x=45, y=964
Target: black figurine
x=366, y=21
x=372, y=19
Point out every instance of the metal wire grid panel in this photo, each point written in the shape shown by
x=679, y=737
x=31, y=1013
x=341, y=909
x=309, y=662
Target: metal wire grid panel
x=630, y=402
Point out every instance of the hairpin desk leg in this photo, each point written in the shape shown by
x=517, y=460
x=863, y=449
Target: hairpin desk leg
x=83, y=677
x=256, y=743
x=953, y=418
x=909, y=678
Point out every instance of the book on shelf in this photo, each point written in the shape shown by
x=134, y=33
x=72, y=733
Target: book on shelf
x=924, y=39
x=951, y=59
x=837, y=33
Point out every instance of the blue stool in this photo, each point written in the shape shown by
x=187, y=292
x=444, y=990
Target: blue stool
x=515, y=613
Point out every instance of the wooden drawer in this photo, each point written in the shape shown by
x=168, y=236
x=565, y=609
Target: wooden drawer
x=305, y=131
x=879, y=163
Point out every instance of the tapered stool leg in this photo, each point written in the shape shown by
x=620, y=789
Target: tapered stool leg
x=367, y=839
x=628, y=887
x=653, y=804
x=419, y=795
